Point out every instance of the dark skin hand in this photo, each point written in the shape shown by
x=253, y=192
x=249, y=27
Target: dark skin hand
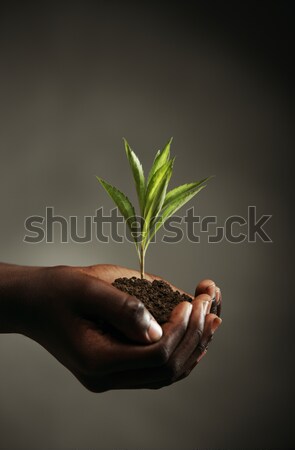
x=62, y=308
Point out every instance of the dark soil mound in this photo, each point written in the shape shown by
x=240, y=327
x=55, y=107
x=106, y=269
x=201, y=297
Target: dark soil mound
x=158, y=297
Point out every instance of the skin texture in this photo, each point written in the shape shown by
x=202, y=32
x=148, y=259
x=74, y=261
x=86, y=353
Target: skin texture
x=63, y=307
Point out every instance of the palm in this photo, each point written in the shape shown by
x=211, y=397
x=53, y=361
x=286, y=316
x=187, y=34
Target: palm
x=109, y=272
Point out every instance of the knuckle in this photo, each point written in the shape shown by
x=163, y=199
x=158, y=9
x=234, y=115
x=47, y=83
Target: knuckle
x=210, y=338
x=135, y=309
x=173, y=370
x=198, y=335
x=162, y=355
x=202, y=347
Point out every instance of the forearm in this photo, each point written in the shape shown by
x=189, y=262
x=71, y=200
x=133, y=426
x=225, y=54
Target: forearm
x=15, y=291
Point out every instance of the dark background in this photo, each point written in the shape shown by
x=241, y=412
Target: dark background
x=77, y=76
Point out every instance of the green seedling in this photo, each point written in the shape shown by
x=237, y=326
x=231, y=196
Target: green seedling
x=156, y=204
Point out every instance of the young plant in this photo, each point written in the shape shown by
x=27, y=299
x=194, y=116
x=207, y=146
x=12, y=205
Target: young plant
x=155, y=203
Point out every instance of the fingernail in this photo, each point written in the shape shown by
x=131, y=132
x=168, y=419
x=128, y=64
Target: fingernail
x=189, y=308
x=216, y=323
x=155, y=331
x=211, y=290
x=206, y=306
x=217, y=295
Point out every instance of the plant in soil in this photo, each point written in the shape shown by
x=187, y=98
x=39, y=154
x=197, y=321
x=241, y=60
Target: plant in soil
x=156, y=205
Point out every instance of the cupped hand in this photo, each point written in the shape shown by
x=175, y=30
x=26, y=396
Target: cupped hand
x=69, y=305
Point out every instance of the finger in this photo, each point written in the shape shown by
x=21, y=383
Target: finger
x=206, y=286
x=197, y=335
x=181, y=336
x=216, y=304
x=188, y=371
x=125, y=312
x=212, y=323
x=180, y=349
x=194, y=333
x=138, y=365
x=124, y=356
x=211, y=326
x=218, y=301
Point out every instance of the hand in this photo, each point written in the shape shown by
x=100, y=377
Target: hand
x=109, y=273
x=63, y=309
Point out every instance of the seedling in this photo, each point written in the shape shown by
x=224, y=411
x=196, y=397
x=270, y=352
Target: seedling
x=155, y=203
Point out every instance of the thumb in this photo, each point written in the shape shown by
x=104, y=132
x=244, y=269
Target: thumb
x=125, y=312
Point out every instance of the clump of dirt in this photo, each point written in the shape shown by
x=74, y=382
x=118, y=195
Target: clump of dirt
x=158, y=297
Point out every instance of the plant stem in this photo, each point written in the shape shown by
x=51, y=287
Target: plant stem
x=141, y=259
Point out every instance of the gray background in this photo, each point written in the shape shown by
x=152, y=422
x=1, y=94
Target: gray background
x=75, y=77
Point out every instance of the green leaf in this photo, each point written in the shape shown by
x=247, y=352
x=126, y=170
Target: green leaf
x=176, y=192
x=172, y=207
x=138, y=175
x=156, y=193
x=123, y=203
x=156, y=185
x=162, y=156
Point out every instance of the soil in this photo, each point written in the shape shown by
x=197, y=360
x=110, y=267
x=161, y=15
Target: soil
x=158, y=297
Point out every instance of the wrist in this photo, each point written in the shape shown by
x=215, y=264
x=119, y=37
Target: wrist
x=15, y=297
